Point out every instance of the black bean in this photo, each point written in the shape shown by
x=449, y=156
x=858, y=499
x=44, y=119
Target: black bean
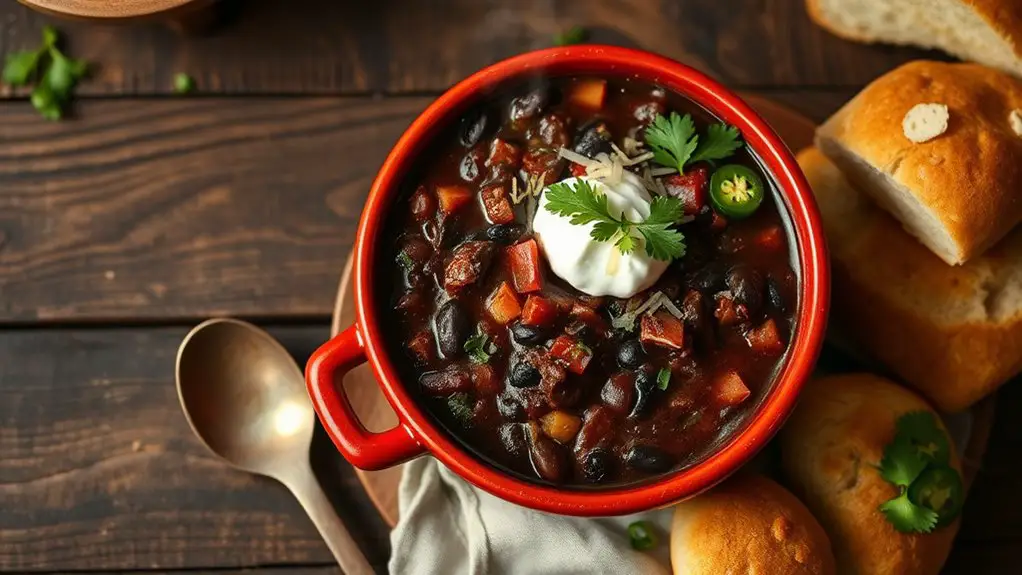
x=645, y=386
x=505, y=234
x=509, y=406
x=472, y=129
x=648, y=459
x=468, y=169
x=592, y=139
x=597, y=465
x=775, y=295
x=451, y=326
x=619, y=392
x=524, y=374
x=512, y=436
x=746, y=285
x=708, y=279
x=529, y=105
x=527, y=334
x=630, y=354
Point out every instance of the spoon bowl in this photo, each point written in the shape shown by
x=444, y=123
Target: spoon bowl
x=245, y=398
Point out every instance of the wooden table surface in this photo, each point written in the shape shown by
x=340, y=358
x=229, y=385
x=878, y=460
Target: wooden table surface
x=148, y=212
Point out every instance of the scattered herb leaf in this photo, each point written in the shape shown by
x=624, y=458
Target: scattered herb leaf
x=183, y=83
x=901, y=465
x=54, y=74
x=479, y=347
x=663, y=378
x=907, y=517
x=19, y=67
x=460, y=405
x=584, y=205
x=642, y=534
x=573, y=35
x=721, y=141
x=404, y=260
x=675, y=143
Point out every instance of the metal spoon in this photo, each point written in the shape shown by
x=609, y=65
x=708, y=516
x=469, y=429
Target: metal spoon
x=244, y=396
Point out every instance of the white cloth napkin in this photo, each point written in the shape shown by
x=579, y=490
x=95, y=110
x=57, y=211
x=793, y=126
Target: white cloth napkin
x=449, y=527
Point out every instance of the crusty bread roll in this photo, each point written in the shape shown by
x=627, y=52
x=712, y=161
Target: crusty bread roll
x=953, y=333
x=985, y=31
x=957, y=192
x=749, y=524
x=829, y=450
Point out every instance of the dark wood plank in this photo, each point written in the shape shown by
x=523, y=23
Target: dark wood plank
x=400, y=46
x=99, y=469
x=171, y=208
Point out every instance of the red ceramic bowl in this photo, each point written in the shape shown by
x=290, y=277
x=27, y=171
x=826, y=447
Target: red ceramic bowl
x=417, y=434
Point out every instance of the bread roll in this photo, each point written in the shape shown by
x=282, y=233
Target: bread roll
x=749, y=524
x=985, y=31
x=829, y=450
x=958, y=191
x=952, y=333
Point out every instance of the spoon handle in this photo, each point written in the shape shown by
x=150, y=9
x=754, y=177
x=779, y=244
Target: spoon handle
x=303, y=483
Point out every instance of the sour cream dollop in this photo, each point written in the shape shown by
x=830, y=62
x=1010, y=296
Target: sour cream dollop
x=592, y=267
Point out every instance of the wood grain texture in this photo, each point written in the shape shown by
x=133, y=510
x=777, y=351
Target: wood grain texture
x=188, y=208
x=401, y=46
x=99, y=469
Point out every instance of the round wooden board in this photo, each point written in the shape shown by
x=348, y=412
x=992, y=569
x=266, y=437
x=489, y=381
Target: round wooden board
x=376, y=414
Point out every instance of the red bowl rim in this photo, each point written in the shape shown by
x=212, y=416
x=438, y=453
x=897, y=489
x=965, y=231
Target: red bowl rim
x=759, y=426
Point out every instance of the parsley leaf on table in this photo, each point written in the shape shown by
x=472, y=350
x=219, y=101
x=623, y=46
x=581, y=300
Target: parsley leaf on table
x=584, y=205
x=54, y=73
x=907, y=517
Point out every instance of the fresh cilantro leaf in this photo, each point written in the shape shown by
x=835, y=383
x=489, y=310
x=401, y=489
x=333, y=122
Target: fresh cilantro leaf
x=921, y=430
x=901, y=465
x=662, y=241
x=573, y=35
x=604, y=231
x=183, y=83
x=720, y=142
x=50, y=37
x=60, y=75
x=907, y=517
x=625, y=243
x=663, y=378
x=672, y=139
x=19, y=67
x=46, y=102
x=479, y=348
x=460, y=405
x=582, y=204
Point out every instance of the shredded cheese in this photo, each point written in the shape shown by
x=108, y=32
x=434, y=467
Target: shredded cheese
x=662, y=171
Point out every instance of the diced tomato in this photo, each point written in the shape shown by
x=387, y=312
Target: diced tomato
x=662, y=329
x=452, y=197
x=726, y=312
x=484, y=379
x=577, y=170
x=771, y=238
x=496, y=205
x=729, y=389
x=423, y=204
x=503, y=152
x=690, y=188
x=573, y=353
x=541, y=161
x=503, y=304
x=525, y=268
x=586, y=314
x=421, y=346
x=538, y=311
x=765, y=339
x=589, y=94
x=718, y=222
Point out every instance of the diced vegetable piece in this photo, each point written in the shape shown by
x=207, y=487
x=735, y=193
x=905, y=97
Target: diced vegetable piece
x=736, y=191
x=577, y=170
x=525, y=267
x=468, y=263
x=662, y=329
x=726, y=312
x=589, y=94
x=503, y=152
x=573, y=353
x=503, y=304
x=690, y=188
x=452, y=198
x=446, y=382
x=560, y=426
x=586, y=314
x=423, y=204
x=421, y=346
x=496, y=205
x=729, y=389
x=771, y=238
x=539, y=161
x=765, y=339
x=538, y=311
x=484, y=379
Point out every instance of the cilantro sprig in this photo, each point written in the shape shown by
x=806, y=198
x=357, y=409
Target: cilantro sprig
x=584, y=205
x=917, y=462
x=479, y=347
x=675, y=143
x=53, y=74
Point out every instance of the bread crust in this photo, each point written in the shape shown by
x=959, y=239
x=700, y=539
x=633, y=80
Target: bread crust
x=952, y=333
x=969, y=177
x=829, y=449
x=749, y=524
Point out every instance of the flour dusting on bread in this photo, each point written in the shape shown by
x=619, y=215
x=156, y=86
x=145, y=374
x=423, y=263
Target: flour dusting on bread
x=925, y=122
x=1015, y=119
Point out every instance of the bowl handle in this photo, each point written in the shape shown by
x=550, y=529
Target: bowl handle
x=362, y=448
